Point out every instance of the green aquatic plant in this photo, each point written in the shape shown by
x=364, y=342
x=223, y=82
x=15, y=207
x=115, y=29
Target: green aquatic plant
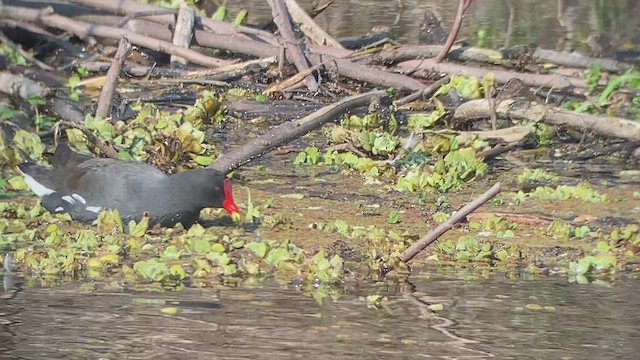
x=529, y=175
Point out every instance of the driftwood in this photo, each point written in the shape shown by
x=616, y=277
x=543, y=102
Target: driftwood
x=153, y=21
x=606, y=126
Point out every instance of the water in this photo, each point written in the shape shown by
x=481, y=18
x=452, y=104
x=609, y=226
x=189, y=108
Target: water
x=552, y=24
x=481, y=318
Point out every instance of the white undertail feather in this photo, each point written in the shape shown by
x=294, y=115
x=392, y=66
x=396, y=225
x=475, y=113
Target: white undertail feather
x=95, y=209
x=36, y=187
x=69, y=199
x=59, y=209
x=79, y=198
x=76, y=199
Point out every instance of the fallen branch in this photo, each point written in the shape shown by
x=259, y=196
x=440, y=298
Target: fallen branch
x=463, y=5
x=104, y=147
x=183, y=34
x=426, y=67
x=309, y=27
x=427, y=91
x=286, y=132
x=21, y=86
x=459, y=215
x=606, y=126
x=111, y=82
x=84, y=30
x=293, y=50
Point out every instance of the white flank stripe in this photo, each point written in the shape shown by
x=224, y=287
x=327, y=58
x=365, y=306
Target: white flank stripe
x=36, y=187
x=79, y=198
x=95, y=209
x=69, y=199
x=59, y=209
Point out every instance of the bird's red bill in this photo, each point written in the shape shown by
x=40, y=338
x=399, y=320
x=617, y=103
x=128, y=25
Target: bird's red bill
x=228, y=204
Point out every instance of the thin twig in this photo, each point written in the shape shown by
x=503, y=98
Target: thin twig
x=426, y=240
x=428, y=91
x=104, y=147
x=462, y=7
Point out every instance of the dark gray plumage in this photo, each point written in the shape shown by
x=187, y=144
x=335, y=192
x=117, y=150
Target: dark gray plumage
x=83, y=186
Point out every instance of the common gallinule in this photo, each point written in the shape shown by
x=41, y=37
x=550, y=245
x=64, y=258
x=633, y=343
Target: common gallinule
x=82, y=186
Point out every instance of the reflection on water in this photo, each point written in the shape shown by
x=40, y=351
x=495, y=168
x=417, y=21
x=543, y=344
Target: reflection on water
x=547, y=23
x=499, y=318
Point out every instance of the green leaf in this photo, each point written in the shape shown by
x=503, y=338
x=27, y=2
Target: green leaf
x=277, y=255
x=178, y=272
x=241, y=18
x=218, y=248
x=171, y=253
x=196, y=230
x=203, y=160
x=300, y=158
x=109, y=259
x=394, y=217
x=342, y=226
x=201, y=245
x=258, y=248
x=220, y=14
x=138, y=230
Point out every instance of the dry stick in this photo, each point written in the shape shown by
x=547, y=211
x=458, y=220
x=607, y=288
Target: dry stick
x=309, y=27
x=21, y=86
x=83, y=30
x=292, y=81
x=376, y=76
x=371, y=75
x=317, y=7
x=183, y=33
x=130, y=7
x=426, y=240
x=607, y=126
x=132, y=16
x=231, y=71
x=428, y=91
x=106, y=149
x=286, y=132
x=497, y=150
x=294, y=53
x=427, y=67
x=111, y=82
x=134, y=70
x=462, y=7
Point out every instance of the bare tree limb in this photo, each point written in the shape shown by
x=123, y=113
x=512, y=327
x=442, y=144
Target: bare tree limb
x=294, y=53
x=459, y=215
x=463, y=5
x=111, y=82
x=288, y=131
